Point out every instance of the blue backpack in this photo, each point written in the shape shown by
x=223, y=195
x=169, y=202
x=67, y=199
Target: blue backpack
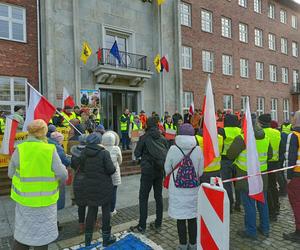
x=186, y=175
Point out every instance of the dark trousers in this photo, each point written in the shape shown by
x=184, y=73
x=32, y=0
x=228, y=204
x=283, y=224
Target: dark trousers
x=81, y=214
x=227, y=172
x=114, y=199
x=182, y=232
x=92, y=216
x=147, y=182
x=19, y=246
x=125, y=140
x=294, y=198
x=273, y=198
x=282, y=182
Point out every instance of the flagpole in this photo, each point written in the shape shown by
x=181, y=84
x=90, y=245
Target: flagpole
x=58, y=112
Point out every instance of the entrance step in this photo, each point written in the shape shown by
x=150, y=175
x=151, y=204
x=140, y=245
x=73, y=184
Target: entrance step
x=128, y=167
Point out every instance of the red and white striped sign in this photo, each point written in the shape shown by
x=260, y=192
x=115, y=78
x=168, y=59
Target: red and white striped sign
x=213, y=217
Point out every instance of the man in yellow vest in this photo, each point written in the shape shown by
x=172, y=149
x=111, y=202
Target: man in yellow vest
x=237, y=151
x=134, y=132
x=124, y=127
x=229, y=132
x=35, y=169
x=286, y=127
x=275, y=139
x=77, y=113
x=2, y=123
x=68, y=116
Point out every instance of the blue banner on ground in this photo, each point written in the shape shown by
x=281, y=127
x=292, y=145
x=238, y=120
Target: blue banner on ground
x=129, y=242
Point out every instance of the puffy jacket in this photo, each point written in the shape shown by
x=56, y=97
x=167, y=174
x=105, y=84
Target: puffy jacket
x=293, y=154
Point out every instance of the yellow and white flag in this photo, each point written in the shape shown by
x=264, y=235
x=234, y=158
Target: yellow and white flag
x=86, y=52
x=157, y=63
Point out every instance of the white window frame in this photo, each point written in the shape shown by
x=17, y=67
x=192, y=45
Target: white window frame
x=286, y=109
x=185, y=16
x=273, y=73
x=206, y=21
x=227, y=65
x=285, y=75
x=207, y=61
x=243, y=3
x=243, y=32
x=227, y=98
x=296, y=77
x=294, y=22
x=257, y=6
x=243, y=103
x=274, y=109
x=259, y=70
x=187, y=95
x=283, y=16
x=244, y=68
x=271, y=11
x=11, y=20
x=187, y=57
x=258, y=38
x=226, y=29
x=295, y=49
x=272, y=41
x=260, y=106
x=12, y=102
x=284, y=45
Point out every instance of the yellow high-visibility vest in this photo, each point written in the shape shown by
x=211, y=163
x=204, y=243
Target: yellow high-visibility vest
x=67, y=118
x=230, y=133
x=123, y=125
x=2, y=125
x=287, y=129
x=275, y=138
x=34, y=183
x=297, y=169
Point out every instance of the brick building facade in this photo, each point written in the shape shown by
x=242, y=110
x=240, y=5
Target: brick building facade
x=234, y=42
x=18, y=51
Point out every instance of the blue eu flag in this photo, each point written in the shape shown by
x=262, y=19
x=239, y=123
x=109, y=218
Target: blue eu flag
x=115, y=52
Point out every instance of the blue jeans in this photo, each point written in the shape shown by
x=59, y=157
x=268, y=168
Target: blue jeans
x=125, y=140
x=250, y=214
x=114, y=199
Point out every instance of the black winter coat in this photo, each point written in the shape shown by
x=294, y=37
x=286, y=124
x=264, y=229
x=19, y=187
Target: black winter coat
x=96, y=167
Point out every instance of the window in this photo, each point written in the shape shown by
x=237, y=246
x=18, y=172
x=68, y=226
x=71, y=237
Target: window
x=286, y=109
x=243, y=103
x=185, y=14
x=260, y=106
x=295, y=51
x=186, y=62
x=295, y=77
x=243, y=3
x=283, y=16
x=243, y=28
x=227, y=64
x=274, y=105
x=271, y=11
x=206, y=21
x=257, y=6
x=258, y=37
x=12, y=93
x=12, y=23
x=285, y=75
x=207, y=61
x=294, y=22
x=259, y=68
x=228, y=102
x=273, y=73
x=244, y=68
x=226, y=27
x=122, y=40
x=187, y=99
x=272, y=42
x=284, y=45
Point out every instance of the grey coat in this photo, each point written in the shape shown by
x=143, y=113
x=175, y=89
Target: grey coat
x=36, y=226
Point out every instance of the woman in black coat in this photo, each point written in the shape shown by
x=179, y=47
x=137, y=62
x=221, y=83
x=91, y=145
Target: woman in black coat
x=93, y=187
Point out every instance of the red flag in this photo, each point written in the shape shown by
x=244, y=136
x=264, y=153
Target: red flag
x=10, y=131
x=67, y=99
x=210, y=133
x=191, y=109
x=164, y=62
x=99, y=55
x=39, y=108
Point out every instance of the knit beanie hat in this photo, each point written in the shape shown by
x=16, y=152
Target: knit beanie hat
x=94, y=138
x=37, y=128
x=82, y=139
x=57, y=137
x=186, y=129
x=274, y=124
x=265, y=119
x=151, y=122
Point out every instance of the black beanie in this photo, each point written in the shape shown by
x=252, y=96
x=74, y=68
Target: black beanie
x=151, y=122
x=265, y=119
x=17, y=108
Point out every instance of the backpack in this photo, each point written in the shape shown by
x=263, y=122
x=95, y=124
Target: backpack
x=158, y=152
x=186, y=176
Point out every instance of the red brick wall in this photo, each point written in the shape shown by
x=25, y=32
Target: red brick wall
x=17, y=58
x=194, y=80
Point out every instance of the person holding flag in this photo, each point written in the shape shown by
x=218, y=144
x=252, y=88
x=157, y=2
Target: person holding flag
x=251, y=151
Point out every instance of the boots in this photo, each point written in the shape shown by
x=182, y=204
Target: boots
x=108, y=239
x=193, y=247
x=182, y=247
x=88, y=239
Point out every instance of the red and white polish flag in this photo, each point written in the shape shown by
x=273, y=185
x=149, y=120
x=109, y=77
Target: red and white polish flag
x=67, y=99
x=210, y=132
x=255, y=183
x=10, y=132
x=39, y=108
x=191, y=109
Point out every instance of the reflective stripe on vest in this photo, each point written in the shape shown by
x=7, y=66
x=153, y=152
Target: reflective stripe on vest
x=286, y=128
x=34, y=183
x=123, y=125
x=230, y=134
x=216, y=163
x=262, y=147
x=297, y=169
x=275, y=137
x=67, y=118
x=287, y=148
x=169, y=126
x=136, y=127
